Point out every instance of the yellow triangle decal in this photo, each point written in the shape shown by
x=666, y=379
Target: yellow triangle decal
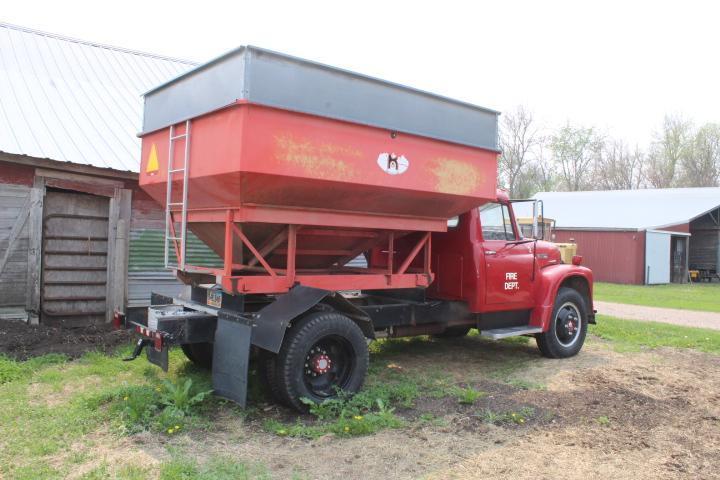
x=152, y=163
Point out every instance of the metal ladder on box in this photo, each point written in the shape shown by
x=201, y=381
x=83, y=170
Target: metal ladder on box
x=171, y=235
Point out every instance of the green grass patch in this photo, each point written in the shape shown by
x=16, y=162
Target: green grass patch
x=48, y=403
x=635, y=335
x=684, y=296
x=603, y=421
x=517, y=417
x=217, y=468
x=467, y=395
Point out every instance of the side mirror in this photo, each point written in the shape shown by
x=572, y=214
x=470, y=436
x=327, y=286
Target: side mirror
x=530, y=218
x=538, y=220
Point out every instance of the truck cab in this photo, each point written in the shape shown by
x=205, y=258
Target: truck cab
x=508, y=282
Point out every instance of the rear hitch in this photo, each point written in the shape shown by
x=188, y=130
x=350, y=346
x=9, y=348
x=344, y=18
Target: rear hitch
x=141, y=343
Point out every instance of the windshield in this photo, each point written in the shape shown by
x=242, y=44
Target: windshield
x=495, y=222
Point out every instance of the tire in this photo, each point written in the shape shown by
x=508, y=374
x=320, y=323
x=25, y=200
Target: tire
x=454, y=332
x=200, y=354
x=267, y=366
x=568, y=326
x=322, y=353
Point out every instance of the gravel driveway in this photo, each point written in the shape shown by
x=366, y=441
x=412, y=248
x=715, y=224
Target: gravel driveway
x=686, y=318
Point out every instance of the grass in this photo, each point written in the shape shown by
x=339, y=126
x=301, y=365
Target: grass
x=50, y=406
x=687, y=296
x=55, y=412
x=510, y=417
x=634, y=335
x=603, y=421
x=467, y=395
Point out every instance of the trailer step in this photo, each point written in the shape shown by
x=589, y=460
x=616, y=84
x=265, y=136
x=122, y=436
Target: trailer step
x=498, y=333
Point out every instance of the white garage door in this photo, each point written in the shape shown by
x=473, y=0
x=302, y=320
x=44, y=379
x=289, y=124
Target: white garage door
x=657, y=257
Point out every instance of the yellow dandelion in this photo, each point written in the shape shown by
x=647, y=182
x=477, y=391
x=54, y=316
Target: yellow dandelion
x=177, y=427
x=522, y=420
x=358, y=417
x=170, y=430
x=347, y=429
x=125, y=398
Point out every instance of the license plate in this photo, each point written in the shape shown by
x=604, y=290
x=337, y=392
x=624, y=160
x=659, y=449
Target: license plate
x=214, y=298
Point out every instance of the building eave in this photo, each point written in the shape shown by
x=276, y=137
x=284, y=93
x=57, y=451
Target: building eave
x=67, y=166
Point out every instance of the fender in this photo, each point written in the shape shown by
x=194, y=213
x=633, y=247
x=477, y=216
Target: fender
x=549, y=281
x=271, y=321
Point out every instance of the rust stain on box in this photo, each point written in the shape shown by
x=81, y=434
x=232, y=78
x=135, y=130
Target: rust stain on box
x=456, y=177
x=322, y=160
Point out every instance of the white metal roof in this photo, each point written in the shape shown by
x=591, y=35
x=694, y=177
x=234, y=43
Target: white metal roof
x=75, y=101
x=628, y=209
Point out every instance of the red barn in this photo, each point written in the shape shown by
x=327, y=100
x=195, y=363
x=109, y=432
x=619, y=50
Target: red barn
x=646, y=236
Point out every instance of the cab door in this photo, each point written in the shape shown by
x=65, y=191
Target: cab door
x=508, y=263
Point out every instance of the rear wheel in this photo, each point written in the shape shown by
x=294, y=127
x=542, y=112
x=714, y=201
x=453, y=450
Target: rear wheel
x=568, y=326
x=268, y=370
x=323, y=353
x=199, y=353
x=454, y=332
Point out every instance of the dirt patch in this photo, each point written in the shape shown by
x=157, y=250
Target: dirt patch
x=602, y=414
x=21, y=341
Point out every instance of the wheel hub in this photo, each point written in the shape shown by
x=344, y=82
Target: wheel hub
x=318, y=362
x=321, y=364
x=570, y=325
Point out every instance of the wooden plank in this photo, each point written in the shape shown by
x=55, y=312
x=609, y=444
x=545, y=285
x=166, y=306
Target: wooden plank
x=118, y=251
x=15, y=233
x=113, y=216
x=34, y=264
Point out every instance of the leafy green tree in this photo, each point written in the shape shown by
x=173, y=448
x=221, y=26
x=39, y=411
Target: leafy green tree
x=574, y=151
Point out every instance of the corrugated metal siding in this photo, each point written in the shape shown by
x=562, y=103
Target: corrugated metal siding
x=75, y=101
x=613, y=256
x=146, y=265
x=147, y=251
x=142, y=284
x=13, y=277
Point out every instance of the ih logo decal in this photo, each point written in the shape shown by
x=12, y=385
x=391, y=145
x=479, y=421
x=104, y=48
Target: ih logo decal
x=392, y=164
x=152, y=163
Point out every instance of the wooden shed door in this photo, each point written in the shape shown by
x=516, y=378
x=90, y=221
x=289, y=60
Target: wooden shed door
x=75, y=242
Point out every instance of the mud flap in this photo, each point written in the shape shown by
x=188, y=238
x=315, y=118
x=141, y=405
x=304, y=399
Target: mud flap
x=158, y=357
x=231, y=354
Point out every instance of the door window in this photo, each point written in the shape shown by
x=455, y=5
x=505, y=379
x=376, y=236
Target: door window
x=495, y=222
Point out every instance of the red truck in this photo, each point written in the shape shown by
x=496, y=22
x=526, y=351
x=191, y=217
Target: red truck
x=343, y=208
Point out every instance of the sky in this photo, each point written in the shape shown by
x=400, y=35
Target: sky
x=619, y=66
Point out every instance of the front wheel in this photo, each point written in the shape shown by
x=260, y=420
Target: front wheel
x=568, y=326
x=323, y=353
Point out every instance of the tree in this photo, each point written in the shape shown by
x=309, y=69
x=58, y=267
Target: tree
x=574, y=150
x=700, y=161
x=518, y=140
x=671, y=144
x=618, y=167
